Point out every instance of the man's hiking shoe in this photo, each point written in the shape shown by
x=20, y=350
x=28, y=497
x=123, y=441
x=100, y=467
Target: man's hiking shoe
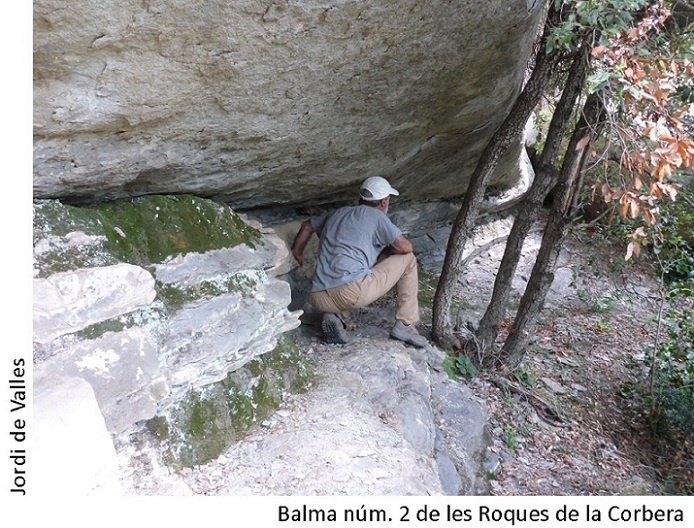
x=333, y=329
x=408, y=334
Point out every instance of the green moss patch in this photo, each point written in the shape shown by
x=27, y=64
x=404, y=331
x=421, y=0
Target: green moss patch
x=209, y=419
x=174, y=297
x=151, y=228
x=53, y=222
x=151, y=316
x=141, y=231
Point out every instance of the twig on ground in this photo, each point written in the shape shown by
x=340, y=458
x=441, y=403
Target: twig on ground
x=545, y=410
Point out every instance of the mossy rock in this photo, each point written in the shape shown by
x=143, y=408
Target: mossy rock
x=176, y=296
x=140, y=231
x=151, y=228
x=54, y=252
x=209, y=419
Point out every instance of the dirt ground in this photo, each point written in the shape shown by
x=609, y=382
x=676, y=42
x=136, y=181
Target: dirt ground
x=587, y=355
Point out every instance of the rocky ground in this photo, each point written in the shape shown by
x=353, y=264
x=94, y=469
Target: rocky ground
x=571, y=429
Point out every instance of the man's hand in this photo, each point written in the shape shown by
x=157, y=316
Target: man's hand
x=401, y=245
x=299, y=256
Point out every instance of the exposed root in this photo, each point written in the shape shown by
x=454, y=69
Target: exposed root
x=545, y=411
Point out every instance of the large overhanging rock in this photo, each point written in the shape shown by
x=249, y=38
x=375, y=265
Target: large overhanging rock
x=264, y=102
x=146, y=299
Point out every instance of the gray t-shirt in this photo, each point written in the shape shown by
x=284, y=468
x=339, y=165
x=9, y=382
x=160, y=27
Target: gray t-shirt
x=351, y=238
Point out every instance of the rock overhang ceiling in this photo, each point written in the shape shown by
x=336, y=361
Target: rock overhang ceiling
x=272, y=102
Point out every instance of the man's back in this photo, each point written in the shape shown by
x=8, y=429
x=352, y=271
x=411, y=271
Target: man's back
x=351, y=239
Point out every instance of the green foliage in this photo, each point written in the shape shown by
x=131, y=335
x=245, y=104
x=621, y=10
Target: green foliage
x=459, y=366
x=510, y=439
x=665, y=392
x=673, y=376
x=685, y=94
x=525, y=376
x=676, y=230
x=604, y=18
x=603, y=327
x=671, y=239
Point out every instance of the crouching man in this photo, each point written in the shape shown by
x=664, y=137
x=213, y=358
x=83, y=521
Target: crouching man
x=361, y=256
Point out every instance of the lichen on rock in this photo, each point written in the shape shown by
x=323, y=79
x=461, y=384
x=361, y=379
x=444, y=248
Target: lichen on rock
x=202, y=425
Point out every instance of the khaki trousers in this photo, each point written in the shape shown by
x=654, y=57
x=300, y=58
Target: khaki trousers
x=396, y=270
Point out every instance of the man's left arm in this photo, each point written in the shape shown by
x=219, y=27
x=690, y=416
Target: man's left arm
x=302, y=238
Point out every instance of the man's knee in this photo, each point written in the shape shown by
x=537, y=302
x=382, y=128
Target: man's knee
x=322, y=302
x=408, y=258
x=411, y=261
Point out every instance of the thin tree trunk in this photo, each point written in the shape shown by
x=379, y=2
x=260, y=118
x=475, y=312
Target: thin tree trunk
x=563, y=212
x=509, y=130
x=545, y=178
x=682, y=15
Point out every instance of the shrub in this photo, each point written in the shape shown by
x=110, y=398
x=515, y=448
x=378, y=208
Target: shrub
x=459, y=366
x=676, y=251
x=672, y=375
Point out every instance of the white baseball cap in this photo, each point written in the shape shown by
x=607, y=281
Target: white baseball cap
x=376, y=188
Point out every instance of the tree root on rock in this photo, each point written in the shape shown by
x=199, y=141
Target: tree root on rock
x=546, y=412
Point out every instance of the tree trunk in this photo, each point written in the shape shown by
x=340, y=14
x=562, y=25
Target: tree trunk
x=682, y=15
x=545, y=179
x=509, y=130
x=563, y=211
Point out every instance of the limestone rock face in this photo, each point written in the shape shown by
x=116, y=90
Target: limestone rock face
x=148, y=298
x=265, y=102
x=380, y=418
x=70, y=301
x=242, y=325
x=67, y=420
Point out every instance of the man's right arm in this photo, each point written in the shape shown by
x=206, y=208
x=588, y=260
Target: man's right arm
x=300, y=241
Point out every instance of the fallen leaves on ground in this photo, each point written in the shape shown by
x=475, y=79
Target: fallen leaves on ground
x=582, y=357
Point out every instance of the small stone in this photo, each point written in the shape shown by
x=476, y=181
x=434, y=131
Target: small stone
x=493, y=464
x=567, y=362
x=553, y=386
x=496, y=486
